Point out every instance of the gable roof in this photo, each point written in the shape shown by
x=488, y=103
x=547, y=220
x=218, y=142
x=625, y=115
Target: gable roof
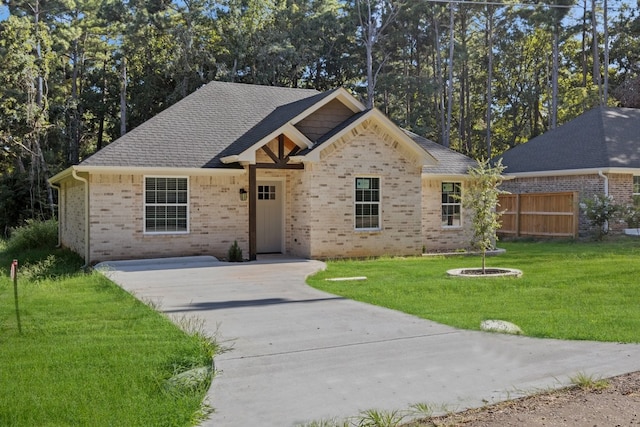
x=217, y=120
x=221, y=125
x=449, y=162
x=602, y=138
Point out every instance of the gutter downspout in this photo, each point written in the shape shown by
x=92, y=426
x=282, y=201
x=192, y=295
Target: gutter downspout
x=86, y=216
x=606, y=193
x=58, y=189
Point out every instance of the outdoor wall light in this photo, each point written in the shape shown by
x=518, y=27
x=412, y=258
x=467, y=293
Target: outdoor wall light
x=243, y=195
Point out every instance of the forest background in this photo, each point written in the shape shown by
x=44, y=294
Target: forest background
x=477, y=76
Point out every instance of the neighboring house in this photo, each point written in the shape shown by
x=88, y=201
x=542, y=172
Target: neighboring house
x=596, y=153
x=278, y=170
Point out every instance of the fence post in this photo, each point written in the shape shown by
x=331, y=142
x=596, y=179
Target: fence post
x=14, y=277
x=518, y=215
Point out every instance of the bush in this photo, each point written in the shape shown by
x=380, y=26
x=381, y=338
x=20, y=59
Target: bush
x=235, y=253
x=34, y=235
x=600, y=210
x=631, y=215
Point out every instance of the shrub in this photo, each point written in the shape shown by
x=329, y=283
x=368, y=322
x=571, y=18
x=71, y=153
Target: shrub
x=599, y=210
x=631, y=215
x=235, y=253
x=34, y=235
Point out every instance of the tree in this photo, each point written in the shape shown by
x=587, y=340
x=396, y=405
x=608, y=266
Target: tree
x=480, y=196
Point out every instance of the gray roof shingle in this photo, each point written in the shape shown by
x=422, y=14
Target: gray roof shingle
x=449, y=162
x=604, y=137
x=217, y=120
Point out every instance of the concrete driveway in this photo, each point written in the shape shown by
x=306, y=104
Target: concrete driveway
x=301, y=355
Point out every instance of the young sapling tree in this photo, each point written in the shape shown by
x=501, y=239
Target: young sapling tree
x=480, y=197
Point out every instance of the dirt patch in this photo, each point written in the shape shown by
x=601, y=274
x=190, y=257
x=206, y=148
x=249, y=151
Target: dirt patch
x=616, y=405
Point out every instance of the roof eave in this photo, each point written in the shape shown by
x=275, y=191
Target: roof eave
x=138, y=170
x=569, y=172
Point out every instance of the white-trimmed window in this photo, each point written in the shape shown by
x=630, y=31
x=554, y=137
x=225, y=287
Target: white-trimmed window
x=166, y=205
x=367, y=203
x=636, y=190
x=451, y=204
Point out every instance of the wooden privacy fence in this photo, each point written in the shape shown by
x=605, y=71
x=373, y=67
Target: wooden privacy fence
x=539, y=214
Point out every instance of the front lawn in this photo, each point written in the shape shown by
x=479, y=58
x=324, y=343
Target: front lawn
x=89, y=354
x=570, y=290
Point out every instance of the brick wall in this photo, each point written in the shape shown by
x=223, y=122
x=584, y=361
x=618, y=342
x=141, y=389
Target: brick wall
x=217, y=217
x=71, y=216
x=620, y=188
x=330, y=189
x=435, y=236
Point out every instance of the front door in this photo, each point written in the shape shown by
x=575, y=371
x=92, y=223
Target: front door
x=269, y=209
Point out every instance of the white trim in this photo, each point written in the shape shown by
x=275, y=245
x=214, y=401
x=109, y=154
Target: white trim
x=138, y=170
x=342, y=95
x=355, y=177
x=388, y=125
x=459, y=203
x=249, y=155
x=570, y=172
x=144, y=206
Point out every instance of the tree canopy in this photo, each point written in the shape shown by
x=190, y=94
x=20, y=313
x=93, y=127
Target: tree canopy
x=480, y=78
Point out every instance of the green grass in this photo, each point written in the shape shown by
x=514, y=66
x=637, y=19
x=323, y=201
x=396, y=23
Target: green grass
x=89, y=353
x=570, y=290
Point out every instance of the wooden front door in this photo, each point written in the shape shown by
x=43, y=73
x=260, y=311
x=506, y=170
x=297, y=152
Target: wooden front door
x=269, y=209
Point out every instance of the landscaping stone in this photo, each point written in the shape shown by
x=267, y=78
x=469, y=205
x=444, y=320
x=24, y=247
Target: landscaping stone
x=500, y=326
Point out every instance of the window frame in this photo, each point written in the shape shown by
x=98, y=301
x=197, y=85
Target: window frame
x=377, y=203
x=635, y=185
x=146, y=204
x=458, y=203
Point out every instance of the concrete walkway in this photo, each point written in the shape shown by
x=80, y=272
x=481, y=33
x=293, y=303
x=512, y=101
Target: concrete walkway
x=301, y=355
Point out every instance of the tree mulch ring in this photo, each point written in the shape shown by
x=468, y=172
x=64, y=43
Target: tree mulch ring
x=488, y=272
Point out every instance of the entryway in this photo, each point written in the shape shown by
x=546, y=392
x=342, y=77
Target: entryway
x=269, y=216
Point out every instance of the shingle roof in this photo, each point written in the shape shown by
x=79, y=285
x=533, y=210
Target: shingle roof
x=449, y=162
x=219, y=119
x=604, y=137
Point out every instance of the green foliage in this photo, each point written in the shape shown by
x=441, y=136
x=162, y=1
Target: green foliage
x=377, y=418
x=34, y=235
x=631, y=215
x=589, y=382
x=235, y=253
x=581, y=291
x=15, y=201
x=480, y=196
x=90, y=353
x=600, y=210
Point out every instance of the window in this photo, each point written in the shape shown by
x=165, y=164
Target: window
x=266, y=192
x=165, y=205
x=451, y=204
x=367, y=205
x=636, y=190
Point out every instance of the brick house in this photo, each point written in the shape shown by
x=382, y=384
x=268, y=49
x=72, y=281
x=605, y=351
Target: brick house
x=279, y=170
x=596, y=153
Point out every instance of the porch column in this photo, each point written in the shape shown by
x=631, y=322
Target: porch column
x=253, y=198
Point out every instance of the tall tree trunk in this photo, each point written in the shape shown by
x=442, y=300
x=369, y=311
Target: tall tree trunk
x=123, y=98
x=596, y=55
x=103, y=92
x=39, y=156
x=437, y=70
x=605, y=19
x=447, y=141
x=584, y=44
x=489, y=42
x=74, y=131
x=554, y=76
